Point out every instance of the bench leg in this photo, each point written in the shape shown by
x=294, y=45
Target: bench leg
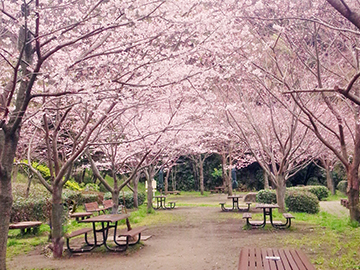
x=80, y=250
x=285, y=225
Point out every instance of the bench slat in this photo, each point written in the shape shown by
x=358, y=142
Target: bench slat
x=288, y=215
x=132, y=232
x=247, y=215
x=25, y=224
x=79, y=232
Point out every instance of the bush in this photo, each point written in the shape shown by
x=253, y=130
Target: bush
x=36, y=207
x=321, y=192
x=128, y=198
x=342, y=186
x=302, y=201
x=266, y=196
x=73, y=185
x=30, y=209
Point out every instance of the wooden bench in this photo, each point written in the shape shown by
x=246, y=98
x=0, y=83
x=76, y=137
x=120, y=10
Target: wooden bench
x=26, y=226
x=272, y=258
x=288, y=217
x=247, y=216
x=81, y=215
x=108, y=204
x=175, y=192
x=130, y=234
x=223, y=208
x=93, y=207
x=82, y=231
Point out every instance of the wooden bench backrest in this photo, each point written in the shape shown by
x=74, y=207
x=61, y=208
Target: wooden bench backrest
x=92, y=206
x=108, y=204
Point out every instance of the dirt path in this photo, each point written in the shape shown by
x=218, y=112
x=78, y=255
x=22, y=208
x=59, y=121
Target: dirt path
x=206, y=238
x=334, y=208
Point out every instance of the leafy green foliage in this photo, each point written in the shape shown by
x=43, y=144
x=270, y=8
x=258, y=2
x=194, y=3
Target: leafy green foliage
x=302, y=201
x=321, y=192
x=35, y=207
x=72, y=185
x=266, y=196
x=43, y=169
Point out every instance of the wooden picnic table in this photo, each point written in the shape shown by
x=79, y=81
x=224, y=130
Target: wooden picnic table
x=267, y=211
x=273, y=259
x=107, y=222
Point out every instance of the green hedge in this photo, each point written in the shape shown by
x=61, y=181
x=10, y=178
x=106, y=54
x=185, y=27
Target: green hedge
x=128, y=197
x=38, y=204
x=321, y=192
x=302, y=201
x=266, y=196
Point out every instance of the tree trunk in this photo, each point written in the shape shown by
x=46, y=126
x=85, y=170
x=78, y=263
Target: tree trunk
x=266, y=180
x=201, y=175
x=353, y=193
x=280, y=193
x=115, y=200
x=149, y=176
x=166, y=181
x=5, y=211
x=56, y=222
x=330, y=181
x=173, y=179
x=7, y=150
x=136, y=182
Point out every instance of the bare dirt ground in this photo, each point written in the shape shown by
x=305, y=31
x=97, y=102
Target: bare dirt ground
x=206, y=238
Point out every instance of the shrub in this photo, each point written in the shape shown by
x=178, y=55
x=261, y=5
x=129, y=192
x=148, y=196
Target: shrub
x=342, y=186
x=321, y=192
x=30, y=209
x=128, y=198
x=266, y=196
x=302, y=201
x=73, y=185
x=36, y=207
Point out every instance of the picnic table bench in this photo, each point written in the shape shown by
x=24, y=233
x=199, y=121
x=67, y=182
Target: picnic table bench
x=82, y=231
x=273, y=259
x=175, y=192
x=26, y=226
x=130, y=234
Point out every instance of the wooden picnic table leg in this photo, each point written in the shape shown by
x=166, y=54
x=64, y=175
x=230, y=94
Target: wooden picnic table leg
x=235, y=202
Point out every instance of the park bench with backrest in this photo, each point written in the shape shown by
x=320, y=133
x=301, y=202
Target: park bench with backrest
x=94, y=207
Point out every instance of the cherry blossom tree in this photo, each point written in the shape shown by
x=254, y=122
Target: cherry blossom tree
x=311, y=51
x=97, y=47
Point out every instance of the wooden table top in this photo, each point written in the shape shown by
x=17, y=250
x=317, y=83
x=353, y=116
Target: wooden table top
x=106, y=218
x=235, y=196
x=273, y=259
x=266, y=205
